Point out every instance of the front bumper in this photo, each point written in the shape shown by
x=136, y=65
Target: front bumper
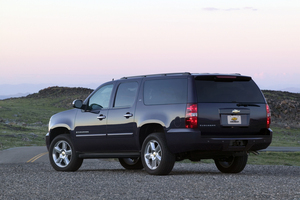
x=47, y=140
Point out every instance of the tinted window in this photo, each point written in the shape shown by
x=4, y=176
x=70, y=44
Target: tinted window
x=222, y=91
x=167, y=91
x=100, y=99
x=126, y=94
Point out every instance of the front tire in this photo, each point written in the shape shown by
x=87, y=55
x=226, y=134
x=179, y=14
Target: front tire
x=131, y=163
x=62, y=154
x=232, y=164
x=156, y=157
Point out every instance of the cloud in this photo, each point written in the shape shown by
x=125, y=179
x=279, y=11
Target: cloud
x=211, y=9
x=250, y=8
x=230, y=9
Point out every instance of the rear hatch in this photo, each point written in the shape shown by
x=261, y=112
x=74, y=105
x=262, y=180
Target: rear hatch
x=230, y=106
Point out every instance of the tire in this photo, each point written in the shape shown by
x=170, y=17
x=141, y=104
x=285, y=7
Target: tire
x=131, y=163
x=156, y=157
x=232, y=164
x=62, y=154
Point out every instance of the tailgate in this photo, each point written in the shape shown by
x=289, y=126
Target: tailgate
x=228, y=119
x=230, y=106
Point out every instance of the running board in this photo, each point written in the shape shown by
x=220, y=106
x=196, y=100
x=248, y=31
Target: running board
x=110, y=155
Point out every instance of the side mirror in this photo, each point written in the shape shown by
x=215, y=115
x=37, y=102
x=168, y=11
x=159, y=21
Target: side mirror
x=77, y=103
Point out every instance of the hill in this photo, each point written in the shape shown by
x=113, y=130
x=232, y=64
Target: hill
x=61, y=97
x=285, y=106
x=24, y=120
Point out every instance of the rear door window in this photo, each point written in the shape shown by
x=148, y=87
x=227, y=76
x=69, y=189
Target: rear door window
x=126, y=94
x=167, y=91
x=227, y=90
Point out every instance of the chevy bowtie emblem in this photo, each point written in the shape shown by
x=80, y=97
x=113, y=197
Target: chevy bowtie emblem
x=236, y=111
x=234, y=118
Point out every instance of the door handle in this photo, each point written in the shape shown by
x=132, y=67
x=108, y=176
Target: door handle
x=127, y=115
x=100, y=117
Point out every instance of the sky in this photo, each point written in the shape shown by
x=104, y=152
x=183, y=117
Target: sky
x=86, y=43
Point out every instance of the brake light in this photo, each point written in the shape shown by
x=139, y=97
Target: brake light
x=268, y=116
x=229, y=77
x=191, y=116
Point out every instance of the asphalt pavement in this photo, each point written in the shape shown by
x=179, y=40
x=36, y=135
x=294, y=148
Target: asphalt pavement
x=25, y=173
x=107, y=179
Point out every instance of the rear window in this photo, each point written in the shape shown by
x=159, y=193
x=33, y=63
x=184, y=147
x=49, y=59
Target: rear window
x=228, y=89
x=167, y=91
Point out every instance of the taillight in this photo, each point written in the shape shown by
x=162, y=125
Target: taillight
x=191, y=116
x=268, y=116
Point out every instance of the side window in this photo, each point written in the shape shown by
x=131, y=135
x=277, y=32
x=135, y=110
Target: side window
x=100, y=99
x=168, y=91
x=126, y=94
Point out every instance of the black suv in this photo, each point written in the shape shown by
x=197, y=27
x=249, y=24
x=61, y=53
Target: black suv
x=152, y=121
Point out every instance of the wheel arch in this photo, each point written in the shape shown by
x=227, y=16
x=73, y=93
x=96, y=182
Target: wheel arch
x=147, y=129
x=57, y=131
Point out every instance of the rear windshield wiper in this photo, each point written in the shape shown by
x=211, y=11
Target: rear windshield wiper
x=247, y=104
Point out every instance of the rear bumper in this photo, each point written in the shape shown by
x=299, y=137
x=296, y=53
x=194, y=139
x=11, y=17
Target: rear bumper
x=185, y=140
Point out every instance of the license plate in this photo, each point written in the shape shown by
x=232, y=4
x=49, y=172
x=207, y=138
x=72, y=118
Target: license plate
x=234, y=119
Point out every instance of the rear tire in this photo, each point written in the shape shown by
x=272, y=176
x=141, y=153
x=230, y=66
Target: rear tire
x=157, y=159
x=62, y=154
x=131, y=163
x=232, y=164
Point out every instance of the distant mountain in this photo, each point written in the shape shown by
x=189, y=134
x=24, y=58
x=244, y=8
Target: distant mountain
x=20, y=90
x=13, y=96
x=292, y=89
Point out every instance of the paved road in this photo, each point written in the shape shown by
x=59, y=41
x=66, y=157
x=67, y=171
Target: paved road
x=107, y=179
x=40, y=154
x=24, y=154
x=282, y=149
x=25, y=173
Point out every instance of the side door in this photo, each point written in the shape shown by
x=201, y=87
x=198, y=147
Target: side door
x=90, y=124
x=121, y=126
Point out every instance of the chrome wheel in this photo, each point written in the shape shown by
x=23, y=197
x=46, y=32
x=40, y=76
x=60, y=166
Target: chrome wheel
x=153, y=154
x=62, y=153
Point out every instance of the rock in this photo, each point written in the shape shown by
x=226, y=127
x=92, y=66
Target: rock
x=26, y=139
x=33, y=135
x=285, y=108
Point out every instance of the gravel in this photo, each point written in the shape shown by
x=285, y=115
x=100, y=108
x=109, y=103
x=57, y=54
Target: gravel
x=106, y=179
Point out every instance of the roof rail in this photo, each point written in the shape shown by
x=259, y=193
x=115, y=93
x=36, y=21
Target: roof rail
x=150, y=75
